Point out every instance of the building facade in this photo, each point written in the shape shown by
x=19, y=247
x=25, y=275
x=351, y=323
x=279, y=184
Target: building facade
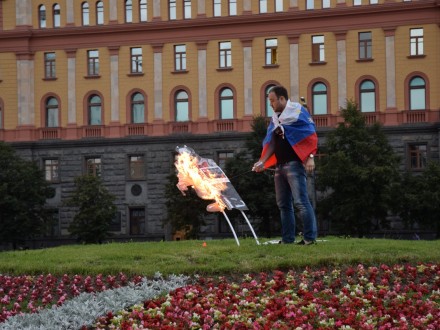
x=111, y=87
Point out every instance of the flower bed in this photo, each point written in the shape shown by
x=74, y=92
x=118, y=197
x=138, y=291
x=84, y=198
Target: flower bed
x=360, y=297
x=397, y=297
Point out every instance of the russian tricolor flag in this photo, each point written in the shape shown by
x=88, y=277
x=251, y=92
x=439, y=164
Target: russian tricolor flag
x=299, y=130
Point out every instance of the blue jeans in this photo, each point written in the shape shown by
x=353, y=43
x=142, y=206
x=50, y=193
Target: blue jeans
x=290, y=190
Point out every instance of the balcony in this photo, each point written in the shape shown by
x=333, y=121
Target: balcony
x=93, y=131
x=51, y=133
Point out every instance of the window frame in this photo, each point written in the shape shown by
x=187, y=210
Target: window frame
x=318, y=49
x=49, y=65
x=56, y=15
x=55, y=108
x=93, y=62
x=415, y=88
x=136, y=167
x=232, y=8
x=225, y=54
x=128, y=11
x=140, y=220
x=172, y=10
x=99, y=13
x=316, y=94
x=222, y=103
x=187, y=9
x=414, y=152
x=93, y=166
x=42, y=17
x=363, y=93
x=133, y=104
x=416, y=43
x=51, y=170
x=143, y=11
x=85, y=13
x=92, y=104
x=181, y=101
x=365, y=45
x=180, y=58
x=136, y=60
x=271, y=52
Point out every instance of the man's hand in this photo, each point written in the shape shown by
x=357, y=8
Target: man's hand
x=310, y=165
x=258, y=166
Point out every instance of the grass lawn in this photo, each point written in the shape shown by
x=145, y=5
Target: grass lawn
x=218, y=257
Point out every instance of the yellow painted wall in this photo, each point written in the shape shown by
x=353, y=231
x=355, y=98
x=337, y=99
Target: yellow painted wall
x=8, y=15
x=8, y=89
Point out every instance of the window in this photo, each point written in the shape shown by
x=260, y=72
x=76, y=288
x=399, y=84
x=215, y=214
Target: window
x=56, y=15
x=374, y=2
x=115, y=224
x=143, y=11
x=128, y=11
x=416, y=42
x=137, y=108
x=94, y=110
x=271, y=51
x=52, y=112
x=269, y=109
x=325, y=3
x=180, y=57
x=187, y=9
x=182, y=106
x=93, y=166
x=232, y=8
x=365, y=45
x=42, y=16
x=172, y=9
x=279, y=5
x=93, y=62
x=357, y=2
x=136, y=59
x=225, y=54
x=367, y=96
x=137, y=167
x=226, y=104
x=52, y=228
x=137, y=221
x=217, y=8
x=99, y=13
x=263, y=6
x=222, y=157
x=319, y=99
x=85, y=13
x=417, y=94
x=51, y=170
x=49, y=65
x=417, y=156
x=318, y=54
x=310, y=4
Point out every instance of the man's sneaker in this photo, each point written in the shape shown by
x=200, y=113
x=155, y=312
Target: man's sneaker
x=304, y=242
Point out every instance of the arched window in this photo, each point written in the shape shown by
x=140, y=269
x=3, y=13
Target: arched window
x=417, y=93
x=52, y=112
x=268, y=108
x=94, y=110
x=143, y=11
x=319, y=99
x=137, y=108
x=128, y=11
x=181, y=103
x=226, y=104
x=42, y=16
x=99, y=13
x=56, y=9
x=367, y=96
x=85, y=11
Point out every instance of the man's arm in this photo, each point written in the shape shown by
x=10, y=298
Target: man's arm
x=259, y=166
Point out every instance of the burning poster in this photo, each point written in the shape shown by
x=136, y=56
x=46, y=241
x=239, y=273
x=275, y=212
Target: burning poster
x=210, y=183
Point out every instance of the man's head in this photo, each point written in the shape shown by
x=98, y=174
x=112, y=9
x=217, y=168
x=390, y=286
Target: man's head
x=278, y=98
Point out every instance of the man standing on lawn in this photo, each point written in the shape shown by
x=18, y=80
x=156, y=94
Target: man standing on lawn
x=290, y=144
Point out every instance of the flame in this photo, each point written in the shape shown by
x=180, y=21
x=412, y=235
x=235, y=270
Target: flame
x=195, y=172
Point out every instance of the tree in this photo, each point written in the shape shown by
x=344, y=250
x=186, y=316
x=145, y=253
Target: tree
x=357, y=175
x=185, y=212
x=23, y=194
x=95, y=210
x=419, y=198
x=256, y=189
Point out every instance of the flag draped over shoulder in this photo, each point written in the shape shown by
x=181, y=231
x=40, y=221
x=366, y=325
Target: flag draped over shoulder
x=299, y=130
